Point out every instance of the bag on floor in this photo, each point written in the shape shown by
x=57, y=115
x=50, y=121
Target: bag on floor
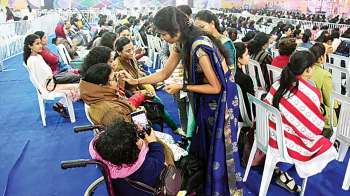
x=192, y=172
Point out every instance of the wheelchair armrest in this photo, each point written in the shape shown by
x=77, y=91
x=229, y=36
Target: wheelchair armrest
x=75, y=163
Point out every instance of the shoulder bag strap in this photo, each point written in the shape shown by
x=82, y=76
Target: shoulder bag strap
x=141, y=186
x=48, y=82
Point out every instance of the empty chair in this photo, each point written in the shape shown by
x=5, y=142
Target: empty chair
x=338, y=78
x=337, y=60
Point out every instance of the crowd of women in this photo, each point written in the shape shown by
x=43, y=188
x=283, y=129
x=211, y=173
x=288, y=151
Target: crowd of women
x=211, y=57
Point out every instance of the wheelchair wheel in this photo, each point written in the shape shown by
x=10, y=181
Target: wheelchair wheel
x=92, y=187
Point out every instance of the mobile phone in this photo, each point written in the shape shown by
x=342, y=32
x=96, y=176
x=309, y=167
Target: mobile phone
x=139, y=118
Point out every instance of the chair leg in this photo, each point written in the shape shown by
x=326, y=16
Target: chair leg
x=303, y=187
x=346, y=182
x=42, y=110
x=270, y=165
x=70, y=109
x=250, y=160
x=343, y=148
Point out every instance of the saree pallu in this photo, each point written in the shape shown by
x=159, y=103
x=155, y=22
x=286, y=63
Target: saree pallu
x=215, y=139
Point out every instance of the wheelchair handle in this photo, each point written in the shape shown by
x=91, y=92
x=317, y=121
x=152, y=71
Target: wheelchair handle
x=83, y=128
x=75, y=163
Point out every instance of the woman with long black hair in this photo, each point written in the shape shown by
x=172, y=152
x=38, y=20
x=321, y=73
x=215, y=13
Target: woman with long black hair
x=257, y=50
x=209, y=22
x=302, y=122
x=44, y=75
x=213, y=97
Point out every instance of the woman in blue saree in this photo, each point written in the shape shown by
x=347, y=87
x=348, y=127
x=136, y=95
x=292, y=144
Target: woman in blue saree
x=213, y=97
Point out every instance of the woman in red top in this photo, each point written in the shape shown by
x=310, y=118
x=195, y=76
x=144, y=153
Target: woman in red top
x=51, y=58
x=286, y=47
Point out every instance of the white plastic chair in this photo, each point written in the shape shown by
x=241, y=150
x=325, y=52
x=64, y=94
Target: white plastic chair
x=301, y=49
x=43, y=95
x=274, y=72
x=274, y=52
x=342, y=131
x=243, y=111
x=254, y=69
x=337, y=80
x=156, y=63
x=346, y=182
x=337, y=59
x=265, y=113
x=86, y=108
x=64, y=54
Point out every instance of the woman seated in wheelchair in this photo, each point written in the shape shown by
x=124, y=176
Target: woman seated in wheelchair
x=129, y=153
x=99, y=89
x=302, y=121
x=44, y=76
x=137, y=97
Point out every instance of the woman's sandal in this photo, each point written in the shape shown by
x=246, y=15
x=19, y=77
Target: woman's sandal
x=58, y=107
x=287, y=182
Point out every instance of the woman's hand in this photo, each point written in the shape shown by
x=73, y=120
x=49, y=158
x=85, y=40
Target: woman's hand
x=173, y=88
x=128, y=78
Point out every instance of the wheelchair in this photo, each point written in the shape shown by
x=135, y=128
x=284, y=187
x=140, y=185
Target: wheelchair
x=84, y=162
x=105, y=178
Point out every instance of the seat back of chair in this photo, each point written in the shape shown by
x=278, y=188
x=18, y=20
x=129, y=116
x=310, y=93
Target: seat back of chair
x=139, y=40
x=64, y=54
x=86, y=108
x=343, y=127
x=337, y=73
x=274, y=52
x=336, y=60
x=254, y=70
x=266, y=114
x=40, y=90
x=242, y=108
x=301, y=49
x=274, y=73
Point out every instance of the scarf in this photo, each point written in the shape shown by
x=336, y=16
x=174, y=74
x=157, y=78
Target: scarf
x=93, y=93
x=127, y=65
x=117, y=171
x=59, y=31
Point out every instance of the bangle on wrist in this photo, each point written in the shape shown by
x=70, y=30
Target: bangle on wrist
x=184, y=88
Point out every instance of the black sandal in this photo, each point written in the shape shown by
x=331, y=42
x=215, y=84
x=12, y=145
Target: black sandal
x=58, y=107
x=286, y=182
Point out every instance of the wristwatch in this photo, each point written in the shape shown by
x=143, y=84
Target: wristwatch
x=184, y=88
